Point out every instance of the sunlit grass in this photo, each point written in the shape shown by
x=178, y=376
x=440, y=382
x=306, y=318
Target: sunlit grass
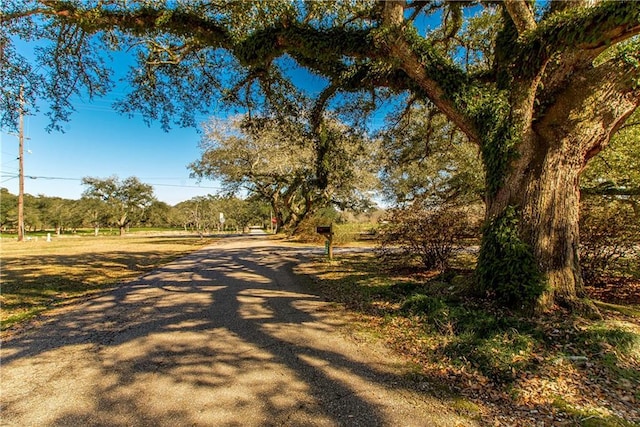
x=37, y=274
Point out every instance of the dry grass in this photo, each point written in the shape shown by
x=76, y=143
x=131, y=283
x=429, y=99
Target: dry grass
x=35, y=275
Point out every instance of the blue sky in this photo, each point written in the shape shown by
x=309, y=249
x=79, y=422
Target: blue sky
x=100, y=142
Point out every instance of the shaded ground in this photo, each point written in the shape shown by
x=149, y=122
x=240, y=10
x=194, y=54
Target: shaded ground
x=37, y=275
x=617, y=290
x=560, y=369
x=225, y=336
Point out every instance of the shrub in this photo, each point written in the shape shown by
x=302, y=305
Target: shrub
x=347, y=227
x=609, y=238
x=430, y=234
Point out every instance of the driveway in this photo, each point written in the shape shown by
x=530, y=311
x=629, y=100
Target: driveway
x=223, y=337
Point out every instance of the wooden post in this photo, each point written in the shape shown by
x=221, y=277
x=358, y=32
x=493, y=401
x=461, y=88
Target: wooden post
x=21, y=171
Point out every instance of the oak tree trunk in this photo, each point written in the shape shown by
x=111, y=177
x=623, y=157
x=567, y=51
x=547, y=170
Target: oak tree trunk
x=551, y=208
x=546, y=196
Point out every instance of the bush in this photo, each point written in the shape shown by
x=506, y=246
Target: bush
x=609, y=238
x=430, y=234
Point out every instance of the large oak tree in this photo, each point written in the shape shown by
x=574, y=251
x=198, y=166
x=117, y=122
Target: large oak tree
x=561, y=78
x=275, y=160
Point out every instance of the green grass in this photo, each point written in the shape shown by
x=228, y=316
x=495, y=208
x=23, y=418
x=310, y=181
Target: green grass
x=36, y=275
x=590, y=418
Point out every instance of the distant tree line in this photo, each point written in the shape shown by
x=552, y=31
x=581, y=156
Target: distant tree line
x=120, y=204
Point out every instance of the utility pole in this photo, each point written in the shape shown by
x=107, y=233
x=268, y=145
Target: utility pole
x=21, y=171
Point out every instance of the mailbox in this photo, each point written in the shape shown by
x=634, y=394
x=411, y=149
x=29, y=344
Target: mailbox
x=325, y=230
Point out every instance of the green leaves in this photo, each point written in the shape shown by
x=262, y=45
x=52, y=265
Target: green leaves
x=120, y=201
x=579, y=27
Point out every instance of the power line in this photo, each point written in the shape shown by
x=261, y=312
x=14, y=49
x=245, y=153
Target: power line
x=11, y=162
x=60, y=178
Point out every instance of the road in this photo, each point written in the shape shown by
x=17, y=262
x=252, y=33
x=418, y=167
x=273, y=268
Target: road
x=226, y=336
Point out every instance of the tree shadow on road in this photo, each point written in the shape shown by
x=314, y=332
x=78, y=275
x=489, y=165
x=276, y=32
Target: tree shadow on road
x=220, y=337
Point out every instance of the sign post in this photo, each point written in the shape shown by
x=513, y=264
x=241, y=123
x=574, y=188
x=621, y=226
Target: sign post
x=327, y=232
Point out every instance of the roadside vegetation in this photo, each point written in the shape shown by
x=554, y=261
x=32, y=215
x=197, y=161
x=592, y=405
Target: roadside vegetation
x=516, y=369
x=37, y=275
x=418, y=292
x=111, y=206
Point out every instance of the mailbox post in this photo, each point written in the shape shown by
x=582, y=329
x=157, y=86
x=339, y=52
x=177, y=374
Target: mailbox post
x=327, y=232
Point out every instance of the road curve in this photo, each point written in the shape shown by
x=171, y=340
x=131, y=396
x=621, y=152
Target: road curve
x=223, y=337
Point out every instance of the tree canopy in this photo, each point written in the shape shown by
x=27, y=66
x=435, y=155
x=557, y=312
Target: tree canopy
x=119, y=201
x=276, y=160
x=540, y=92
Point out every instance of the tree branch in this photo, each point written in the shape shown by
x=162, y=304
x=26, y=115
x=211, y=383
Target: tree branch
x=142, y=20
x=568, y=42
x=603, y=96
x=416, y=70
x=521, y=15
x=6, y=17
x=417, y=64
x=590, y=30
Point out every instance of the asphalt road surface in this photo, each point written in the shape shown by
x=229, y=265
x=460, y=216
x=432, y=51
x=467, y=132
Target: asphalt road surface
x=226, y=336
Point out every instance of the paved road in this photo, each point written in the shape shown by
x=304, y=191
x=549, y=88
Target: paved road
x=222, y=337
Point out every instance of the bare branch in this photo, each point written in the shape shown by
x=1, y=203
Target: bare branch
x=6, y=17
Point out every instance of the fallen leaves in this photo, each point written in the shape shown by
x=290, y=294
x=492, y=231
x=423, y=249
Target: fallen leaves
x=563, y=371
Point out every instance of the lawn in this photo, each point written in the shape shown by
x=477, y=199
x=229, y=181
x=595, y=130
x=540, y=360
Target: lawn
x=36, y=274
x=513, y=368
